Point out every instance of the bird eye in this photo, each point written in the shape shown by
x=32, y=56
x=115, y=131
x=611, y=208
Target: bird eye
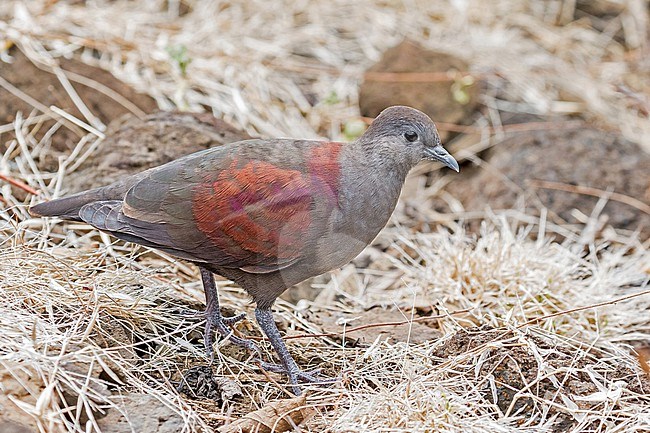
x=411, y=136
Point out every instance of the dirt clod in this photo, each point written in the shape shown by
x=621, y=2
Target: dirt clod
x=445, y=100
x=522, y=373
x=572, y=157
x=133, y=145
x=200, y=382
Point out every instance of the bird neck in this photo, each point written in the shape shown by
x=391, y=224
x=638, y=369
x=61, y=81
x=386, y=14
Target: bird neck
x=381, y=158
x=370, y=190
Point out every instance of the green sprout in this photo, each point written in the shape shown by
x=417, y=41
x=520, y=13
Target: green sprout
x=179, y=54
x=353, y=129
x=460, y=89
x=332, y=98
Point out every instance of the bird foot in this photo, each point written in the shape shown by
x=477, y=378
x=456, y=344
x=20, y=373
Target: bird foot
x=193, y=314
x=313, y=376
x=221, y=325
x=234, y=319
x=188, y=313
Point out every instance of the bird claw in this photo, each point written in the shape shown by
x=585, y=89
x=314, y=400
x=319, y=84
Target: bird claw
x=187, y=313
x=193, y=314
x=234, y=319
x=312, y=376
x=220, y=324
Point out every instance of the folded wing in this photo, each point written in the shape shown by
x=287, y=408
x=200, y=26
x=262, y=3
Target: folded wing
x=223, y=209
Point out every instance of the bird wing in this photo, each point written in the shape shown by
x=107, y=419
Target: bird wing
x=229, y=206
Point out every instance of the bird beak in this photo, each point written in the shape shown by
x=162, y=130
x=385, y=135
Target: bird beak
x=438, y=153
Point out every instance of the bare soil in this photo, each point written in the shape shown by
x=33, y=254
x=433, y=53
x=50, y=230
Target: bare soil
x=42, y=85
x=583, y=156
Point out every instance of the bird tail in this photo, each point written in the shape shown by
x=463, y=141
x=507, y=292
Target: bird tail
x=66, y=207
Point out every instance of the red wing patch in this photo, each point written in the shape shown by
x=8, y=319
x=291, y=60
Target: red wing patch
x=258, y=209
x=324, y=167
x=260, y=213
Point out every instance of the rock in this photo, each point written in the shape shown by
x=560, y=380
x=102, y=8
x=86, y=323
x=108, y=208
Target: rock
x=70, y=394
x=141, y=413
x=583, y=156
x=133, y=145
x=444, y=101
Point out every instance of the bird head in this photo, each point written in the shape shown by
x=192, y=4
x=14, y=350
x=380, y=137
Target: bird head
x=411, y=133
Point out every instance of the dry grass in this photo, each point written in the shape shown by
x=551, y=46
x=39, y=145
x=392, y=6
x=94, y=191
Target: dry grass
x=84, y=319
x=62, y=306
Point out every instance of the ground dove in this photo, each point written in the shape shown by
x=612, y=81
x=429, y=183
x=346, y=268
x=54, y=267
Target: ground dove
x=266, y=214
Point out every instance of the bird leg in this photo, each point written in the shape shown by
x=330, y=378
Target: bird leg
x=214, y=319
x=289, y=367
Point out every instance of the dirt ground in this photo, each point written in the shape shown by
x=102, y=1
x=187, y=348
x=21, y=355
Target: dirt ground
x=41, y=84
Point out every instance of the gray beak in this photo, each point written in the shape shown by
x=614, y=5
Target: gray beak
x=438, y=153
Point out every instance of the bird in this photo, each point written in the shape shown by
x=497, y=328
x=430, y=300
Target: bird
x=264, y=213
